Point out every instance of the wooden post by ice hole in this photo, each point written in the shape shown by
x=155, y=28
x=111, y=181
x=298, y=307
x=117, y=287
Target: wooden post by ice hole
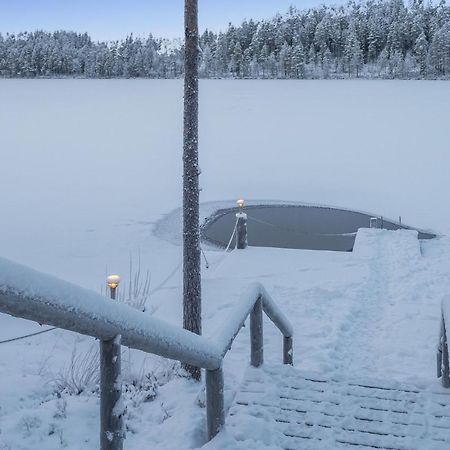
x=241, y=227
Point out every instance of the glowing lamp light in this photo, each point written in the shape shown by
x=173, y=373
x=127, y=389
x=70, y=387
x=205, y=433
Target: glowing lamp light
x=113, y=281
x=240, y=203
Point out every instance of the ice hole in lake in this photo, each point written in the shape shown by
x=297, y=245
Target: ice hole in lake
x=297, y=227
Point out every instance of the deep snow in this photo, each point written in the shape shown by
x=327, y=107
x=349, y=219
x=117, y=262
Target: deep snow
x=89, y=167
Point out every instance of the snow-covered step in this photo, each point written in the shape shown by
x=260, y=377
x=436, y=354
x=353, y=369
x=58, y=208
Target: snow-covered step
x=378, y=243
x=310, y=411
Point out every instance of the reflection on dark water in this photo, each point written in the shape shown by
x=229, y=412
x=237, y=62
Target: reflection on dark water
x=299, y=227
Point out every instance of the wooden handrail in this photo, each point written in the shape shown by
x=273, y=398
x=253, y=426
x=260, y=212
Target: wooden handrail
x=252, y=303
x=28, y=294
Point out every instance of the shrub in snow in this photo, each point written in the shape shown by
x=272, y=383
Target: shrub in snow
x=29, y=424
x=143, y=386
x=81, y=374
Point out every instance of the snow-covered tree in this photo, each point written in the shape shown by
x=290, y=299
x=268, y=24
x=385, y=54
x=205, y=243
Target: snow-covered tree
x=298, y=60
x=421, y=53
x=353, y=54
x=373, y=37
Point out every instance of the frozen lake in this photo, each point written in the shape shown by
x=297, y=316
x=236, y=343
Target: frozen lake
x=90, y=162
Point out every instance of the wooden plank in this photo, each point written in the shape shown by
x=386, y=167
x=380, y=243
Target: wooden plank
x=313, y=412
x=328, y=407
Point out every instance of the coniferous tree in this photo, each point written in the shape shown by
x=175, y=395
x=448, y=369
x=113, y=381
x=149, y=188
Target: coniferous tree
x=375, y=38
x=298, y=60
x=353, y=53
x=421, y=53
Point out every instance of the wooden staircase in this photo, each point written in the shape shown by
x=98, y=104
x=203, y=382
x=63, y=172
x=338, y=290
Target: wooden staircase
x=307, y=411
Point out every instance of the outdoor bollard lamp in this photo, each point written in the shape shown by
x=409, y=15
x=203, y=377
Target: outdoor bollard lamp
x=113, y=282
x=241, y=226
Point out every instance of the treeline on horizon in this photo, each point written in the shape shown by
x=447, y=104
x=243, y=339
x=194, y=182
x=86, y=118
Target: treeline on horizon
x=371, y=39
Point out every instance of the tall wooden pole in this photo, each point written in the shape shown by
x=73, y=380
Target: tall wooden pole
x=191, y=232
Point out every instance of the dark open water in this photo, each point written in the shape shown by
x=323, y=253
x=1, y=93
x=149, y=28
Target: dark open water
x=298, y=227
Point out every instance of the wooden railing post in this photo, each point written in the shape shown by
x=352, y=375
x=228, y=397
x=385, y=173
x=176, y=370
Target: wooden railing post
x=215, y=410
x=288, y=357
x=445, y=369
x=256, y=334
x=111, y=406
x=439, y=350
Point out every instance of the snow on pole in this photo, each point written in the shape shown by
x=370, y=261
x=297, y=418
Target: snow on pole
x=439, y=349
x=111, y=415
x=235, y=321
x=215, y=408
x=288, y=351
x=445, y=368
x=241, y=227
x=274, y=313
x=256, y=334
x=191, y=226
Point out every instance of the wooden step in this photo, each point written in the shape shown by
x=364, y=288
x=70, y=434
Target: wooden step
x=309, y=411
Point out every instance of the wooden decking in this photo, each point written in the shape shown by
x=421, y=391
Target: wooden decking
x=307, y=411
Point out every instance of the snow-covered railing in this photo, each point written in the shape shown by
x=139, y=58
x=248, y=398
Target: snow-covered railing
x=443, y=368
x=31, y=295
x=252, y=303
x=244, y=309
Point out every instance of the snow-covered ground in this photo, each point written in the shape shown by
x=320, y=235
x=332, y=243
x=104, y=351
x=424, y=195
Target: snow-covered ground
x=88, y=167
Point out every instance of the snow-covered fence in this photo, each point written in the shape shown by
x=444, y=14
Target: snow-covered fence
x=47, y=300
x=252, y=303
x=443, y=367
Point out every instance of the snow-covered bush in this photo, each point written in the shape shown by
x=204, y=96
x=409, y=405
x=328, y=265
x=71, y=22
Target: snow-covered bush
x=142, y=386
x=81, y=374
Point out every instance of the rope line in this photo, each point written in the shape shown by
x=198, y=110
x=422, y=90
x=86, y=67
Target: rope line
x=204, y=257
x=232, y=236
x=226, y=252
x=27, y=336
x=166, y=280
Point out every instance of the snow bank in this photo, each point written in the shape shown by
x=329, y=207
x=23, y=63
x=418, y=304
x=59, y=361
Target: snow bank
x=403, y=242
